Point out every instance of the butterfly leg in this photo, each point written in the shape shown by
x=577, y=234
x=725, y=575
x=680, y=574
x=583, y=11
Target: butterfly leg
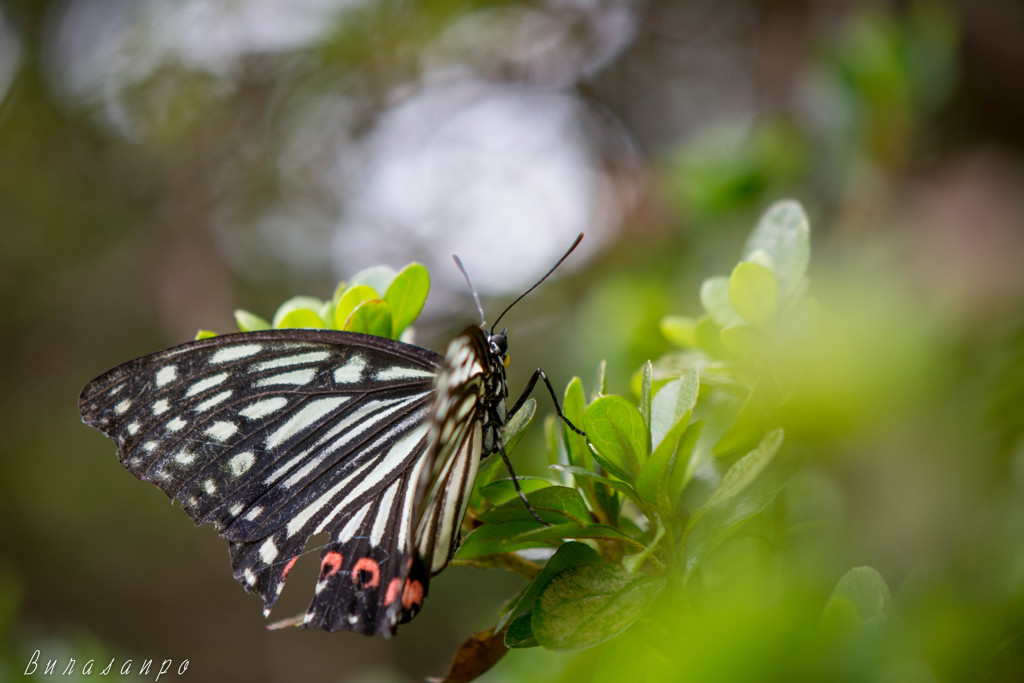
x=539, y=374
x=500, y=448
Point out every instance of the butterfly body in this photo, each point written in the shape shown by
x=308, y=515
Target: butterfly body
x=274, y=436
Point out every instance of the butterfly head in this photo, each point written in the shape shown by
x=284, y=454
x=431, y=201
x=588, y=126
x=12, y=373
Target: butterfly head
x=498, y=345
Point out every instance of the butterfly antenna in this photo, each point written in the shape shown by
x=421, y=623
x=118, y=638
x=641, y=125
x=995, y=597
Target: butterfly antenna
x=476, y=297
x=519, y=298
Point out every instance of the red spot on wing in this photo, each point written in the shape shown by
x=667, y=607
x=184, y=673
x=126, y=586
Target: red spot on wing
x=330, y=565
x=392, y=593
x=365, y=564
x=288, y=568
x=412, y=594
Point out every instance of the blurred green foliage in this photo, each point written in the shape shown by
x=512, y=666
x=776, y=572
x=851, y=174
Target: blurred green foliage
x=898, y=381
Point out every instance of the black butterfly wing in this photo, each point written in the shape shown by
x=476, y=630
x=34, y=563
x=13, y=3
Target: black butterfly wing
x=274, y=436
x=433, y=495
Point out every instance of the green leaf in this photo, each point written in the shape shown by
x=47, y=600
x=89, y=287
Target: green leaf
x=867, y=591
x=645, y=398
x=205, y=334
x=714, y=296
x=299, y=311
x=406, y=295
x=652, y=481
x=679, y=330
x=600, y=389
x=326, y=313
x=488, y=471
x=520, y=632
x=573, y=408
x=746, y=469
x=340, y=289
x=571, y=554
x=499, y=538
x=553, y=504
x=685, y=462
x=587, y=605
x=620, y=486
x=741, y=340
x=673, y=400
x=349, y=301
x=250, y=322
x=754, y=293
x=371, y=317
x=378, y=278
x=512, y=536
x=515, y=429
x=741, y=495
x=503, y=490
x=708, y=335
x=784, y=233
x=554, y=447
x=748, y=428
x=618, y=433
x=301, y=318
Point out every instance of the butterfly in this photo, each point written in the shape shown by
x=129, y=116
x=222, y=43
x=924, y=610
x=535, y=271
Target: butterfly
x=276, y=435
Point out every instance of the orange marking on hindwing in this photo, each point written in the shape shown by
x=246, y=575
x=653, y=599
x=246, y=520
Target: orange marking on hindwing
x=365, y=564
x=330, y=564
x=392, y=593
x=288, y=568
x=412, y=594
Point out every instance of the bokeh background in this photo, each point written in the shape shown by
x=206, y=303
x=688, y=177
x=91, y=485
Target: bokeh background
x=163, y=163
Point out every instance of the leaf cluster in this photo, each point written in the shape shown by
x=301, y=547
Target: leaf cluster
x=377, y=301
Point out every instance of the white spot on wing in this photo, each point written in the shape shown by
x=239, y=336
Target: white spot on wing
x=383, y=515
x=235, y=509
x=255, y=512
x=213, y=400
x=175, y=425
x=184, y=457
x=398, y=373
x=161, y=406
x=309, y=414
x=297, y=359
x=353, y=524
x=122, y=407
x=133, y=428
x=250, y=578
x=222, y=431
x=231, y=353
x=166, y=374
x=241, y=463
x=405, y=525
x=210, y=486
x=350, y=372
x=206, y=383
x=255, y=411
x=299, y=377
x=268, y=551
